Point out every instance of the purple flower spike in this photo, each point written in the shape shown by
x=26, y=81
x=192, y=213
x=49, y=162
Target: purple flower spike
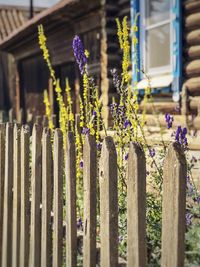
x=198, y=199
x=94, y=113
x=79, y=53
x=180, y=136
x=81, y=164
x=188, y=219
x=126, y=157
x=152, y=152
x=86, y=131
x=169, y=120
x=127, y=123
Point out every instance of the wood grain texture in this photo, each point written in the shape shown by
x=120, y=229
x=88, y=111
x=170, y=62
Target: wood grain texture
x=8, y=195
x=25, y=196
x=89, y=181
x=46, y=233
x=174, y=207
x=136, y=208
x=2, y=177
x=36, y=178
x=108, y=204
x=16, y=195
x=58, y=199
x=70, y=176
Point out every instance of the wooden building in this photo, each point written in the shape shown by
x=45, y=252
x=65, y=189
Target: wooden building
x=11, y=18
x=169, y=50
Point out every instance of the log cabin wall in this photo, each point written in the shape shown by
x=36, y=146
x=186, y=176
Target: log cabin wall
x=191, y=35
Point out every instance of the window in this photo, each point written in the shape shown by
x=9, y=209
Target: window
x=160, y=42
x=156, y=36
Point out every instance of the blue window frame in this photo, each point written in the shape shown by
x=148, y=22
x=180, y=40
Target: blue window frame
x=159, y=51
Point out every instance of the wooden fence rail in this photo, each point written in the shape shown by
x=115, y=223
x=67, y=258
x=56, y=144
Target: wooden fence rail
x=38, y=201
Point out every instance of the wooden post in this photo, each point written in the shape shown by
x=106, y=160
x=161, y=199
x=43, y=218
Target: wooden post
x=2, y=176
x=2, y=116
x=45, y=121
x=21, y=116
x=54, y=119
x=8, y=203
x=16, y=196
x=38, y=120
x=25, y=195
x=71, y=230
x=11, y=115
x=174, y=207
x=58, y=199
x=46, y=241
x=89, y=181
x=51, y=95
x=136, y=208
x=35, y=228
x=108, y=204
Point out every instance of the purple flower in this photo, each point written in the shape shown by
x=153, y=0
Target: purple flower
x=81, y=164
x=79, y=53
x=79, y=223
x=152, y=152
x=169, y=120
x=98, y=146
x=127, y=123
x=94, y=113
x=180, y=136
x=116, y=80
x=126, y=157
x=189, y=186
x=188, y=219
x=86, y=131
x=197, y=199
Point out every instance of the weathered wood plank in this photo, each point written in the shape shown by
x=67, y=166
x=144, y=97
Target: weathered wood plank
x=58, y=199
x=16, y=196
x=108, y=204
x=46, y=239
x=136, y=208
x=35, y=228
x=2, y=177
x=70, y=176
x=89, y=181
x=8, y=203
x=174, y=207
x=25, y=196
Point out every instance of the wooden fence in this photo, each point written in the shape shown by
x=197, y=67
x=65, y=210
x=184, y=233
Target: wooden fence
x=32, y=189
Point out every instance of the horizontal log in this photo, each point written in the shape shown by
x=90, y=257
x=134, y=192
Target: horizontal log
x=193, y=86
x=193, y=52
x=191, y=5
x=194, y=103
x=193, y=37
x=192, y=20
x=160, y=107
x=192, y=68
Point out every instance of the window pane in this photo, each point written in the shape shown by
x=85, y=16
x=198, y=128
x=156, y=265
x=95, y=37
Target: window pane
x=157, y=11
x=158, y=47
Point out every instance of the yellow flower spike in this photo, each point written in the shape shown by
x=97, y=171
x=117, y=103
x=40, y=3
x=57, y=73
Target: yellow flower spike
x=42, y=43
x=48, y=110
x=87, y=53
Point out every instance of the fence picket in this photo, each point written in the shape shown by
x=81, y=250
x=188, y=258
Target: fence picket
x=70, y=175
x=136, y=208
x=2, y=176
x=108, y=204
x=8, y=203
x=89, y=181
x=35, y=228
x=46, y=239
x=58, y=199
x=16, y=196
x=25, y=195
x=174, y=207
